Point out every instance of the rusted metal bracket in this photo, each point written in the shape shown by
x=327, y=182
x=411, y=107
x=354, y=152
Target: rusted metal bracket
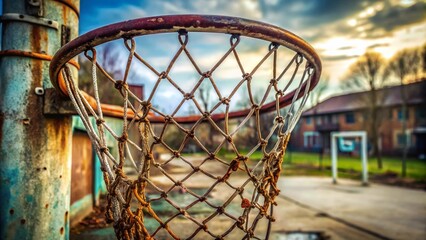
x=16, y=17
x=55, y=104
x=65, y=34
x=34, y=8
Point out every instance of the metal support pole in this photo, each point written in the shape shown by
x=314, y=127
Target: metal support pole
x=364, y=159
x=35, y=157
x=334, y=157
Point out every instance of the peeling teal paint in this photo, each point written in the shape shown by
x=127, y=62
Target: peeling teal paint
x=35, y=151
x=99, y=187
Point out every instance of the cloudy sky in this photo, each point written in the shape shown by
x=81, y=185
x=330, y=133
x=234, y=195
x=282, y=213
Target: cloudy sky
x=339, y=30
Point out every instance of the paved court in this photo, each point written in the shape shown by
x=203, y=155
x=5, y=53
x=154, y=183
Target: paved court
x=389, y=212
x=343, y=211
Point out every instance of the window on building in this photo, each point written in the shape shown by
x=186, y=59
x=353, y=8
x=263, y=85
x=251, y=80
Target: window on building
x=421, y=112
x=400, y=115
x=334, y=119
x=401, y=139
x=350, y=118
x=308, y=120
x=390, y=113
x=327, y=119
x=364, y=116
x=319, y=120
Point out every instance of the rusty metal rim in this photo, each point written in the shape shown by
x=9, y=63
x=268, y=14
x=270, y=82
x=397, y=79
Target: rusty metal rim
x=191, y=23
x=39, y=56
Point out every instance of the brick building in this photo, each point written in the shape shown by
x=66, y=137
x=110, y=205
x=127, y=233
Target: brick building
x=347, y=113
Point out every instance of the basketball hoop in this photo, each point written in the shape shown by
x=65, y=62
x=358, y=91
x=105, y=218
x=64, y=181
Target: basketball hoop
x=251, y=187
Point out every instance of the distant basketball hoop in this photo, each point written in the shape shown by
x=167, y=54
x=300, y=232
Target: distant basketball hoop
x=363, y=152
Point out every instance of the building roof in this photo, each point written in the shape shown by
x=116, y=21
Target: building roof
x=389, y=96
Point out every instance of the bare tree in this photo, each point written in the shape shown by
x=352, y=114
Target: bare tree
x=367, y=74
x=205, y=90
x=107, y=57
x=404, y=65
x=421, y=72
x=318, y=92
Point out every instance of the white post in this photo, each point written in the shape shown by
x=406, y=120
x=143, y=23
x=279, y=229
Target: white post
x=364, y=159
x=334, y=157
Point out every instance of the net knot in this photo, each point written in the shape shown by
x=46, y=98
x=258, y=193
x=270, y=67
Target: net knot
x=202, y=199
x=279, y=119
x=167, y=118
x=247, y=76
x=149, y=156
x=271, y=218
x=99, y=121
x=206, y=114
x=234, y=164
x=176, y=154
x=206, y=74
x=103, y=149
x=119, y=172
x=241, y=221
x=196, y=169
x=250, y=233
x=190, y=133
x=182, y=211
x=163, y=75
x=188, y=96
x=119, y=84
x=123, y=138
x=205, y=228
x=164, y=195
x=146, y=104
x=220, y=210
x=178, y=183
x=225, y=100
x=263, y=142
x=212, y=156
x=265, y=157
x=242, y=158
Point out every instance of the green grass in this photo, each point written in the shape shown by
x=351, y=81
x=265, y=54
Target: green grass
x=307, y=164
x=416, y=169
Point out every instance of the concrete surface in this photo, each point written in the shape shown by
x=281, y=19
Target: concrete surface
x=343, y=211
x=392, y=212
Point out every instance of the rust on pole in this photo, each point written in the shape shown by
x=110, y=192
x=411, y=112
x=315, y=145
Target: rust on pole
x=35, y=148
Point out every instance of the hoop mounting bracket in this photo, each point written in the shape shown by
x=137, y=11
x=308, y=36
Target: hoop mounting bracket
x=55, y=104
x=16, y=17
x=35, y=8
